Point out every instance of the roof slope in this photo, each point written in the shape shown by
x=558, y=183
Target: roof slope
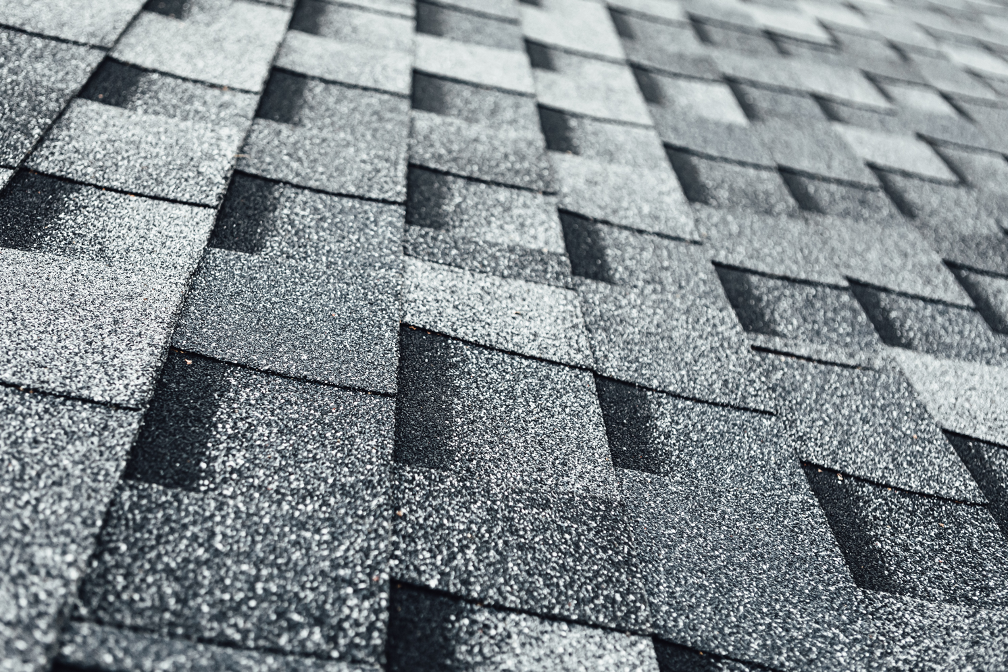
x=482, y=334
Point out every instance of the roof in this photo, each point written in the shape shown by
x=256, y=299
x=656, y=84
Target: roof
x=660, y=335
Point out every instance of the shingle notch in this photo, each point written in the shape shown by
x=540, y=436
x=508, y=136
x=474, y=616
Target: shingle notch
x=907, y=544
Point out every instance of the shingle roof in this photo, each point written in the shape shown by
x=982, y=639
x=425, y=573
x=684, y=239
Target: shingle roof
x=655, y=335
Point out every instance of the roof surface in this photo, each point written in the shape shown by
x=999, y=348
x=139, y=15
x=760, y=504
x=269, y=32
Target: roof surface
x=661, y=335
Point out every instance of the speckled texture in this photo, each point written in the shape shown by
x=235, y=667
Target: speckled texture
x=682, y=338
x=274, y=540
x=482, y=334
x=139, y=90
x=526, y=423
x=902, y=153
x=353, y=64
x=964, y=397
x=168, y=158
x=590, y=87
x=512, y=315
x=869, y=424
x=435, y=632
x=485, y=65
x=513, y=157
x=782, y=246
x=230, y=44
x=644, y=200
x=568, y=556
x=806, y=319
x=104, y=647
x=93, y=286
x=61, y=460
x=97, y=23
x=329, y=137
x=298, y=318
x=37, y=78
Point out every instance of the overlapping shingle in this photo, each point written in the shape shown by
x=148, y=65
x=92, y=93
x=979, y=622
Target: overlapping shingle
x=552, y=334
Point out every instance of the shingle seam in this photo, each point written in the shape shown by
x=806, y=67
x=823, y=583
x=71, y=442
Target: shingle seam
x=685, y=397
x=475, y=85
x=28, y=389
x=362, y=8
x=878, y=484
x=483, y=346
x=513, y=610
x=812, y=360
x=285, y=376
x=48, y=129
x=908, y=295
x=469, y=11
x=580, y=54
x=340, y=83
x=604, y=120
x=505, y=185
x=316, y=190
x=627, y=227
x=117, y=190
x=775, y=276
x=54, y=38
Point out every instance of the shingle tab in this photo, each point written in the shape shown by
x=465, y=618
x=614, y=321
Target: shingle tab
x=511, y=315
x=62, y=460
x=39, y=77
x=180, y=160
x=329, y=137
x=97, y=23
x=238, y=520
x=230, y=44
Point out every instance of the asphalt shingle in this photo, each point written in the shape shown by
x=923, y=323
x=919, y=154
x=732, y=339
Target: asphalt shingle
x=96, y=23
x=39, y=77
x=181, y=160
x=329, y=137
x=62, y=459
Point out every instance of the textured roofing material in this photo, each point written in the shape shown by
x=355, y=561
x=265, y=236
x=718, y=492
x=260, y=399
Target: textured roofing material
x=346, y=335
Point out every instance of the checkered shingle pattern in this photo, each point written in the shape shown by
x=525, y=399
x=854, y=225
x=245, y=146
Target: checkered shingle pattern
x=656, y=335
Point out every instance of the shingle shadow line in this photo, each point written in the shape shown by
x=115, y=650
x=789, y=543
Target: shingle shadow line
x=221, y=644
x=449, y=173
x=916, y=176
x=28, y=389
x=466, y=10
x=475, y=85
x=513, y=353
x=681, y=149
x=669, y=72
x=879, y=484
x=45, y=132
x=707, y=402
x=142, y=68
x=363, y=8
x=968, y=437
x=776, y=276
x=650, y=18
x=336, y=82
x=748, y=665
x=625, y=227
x=117, y=190
x=802, y=358
x=592, y=117
x=54, y=38
x=285, y=376
x=860, y=284
x=958, y=264
x=316, y=190
x=578, y=53
x=644, y=632
x=818, y=177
